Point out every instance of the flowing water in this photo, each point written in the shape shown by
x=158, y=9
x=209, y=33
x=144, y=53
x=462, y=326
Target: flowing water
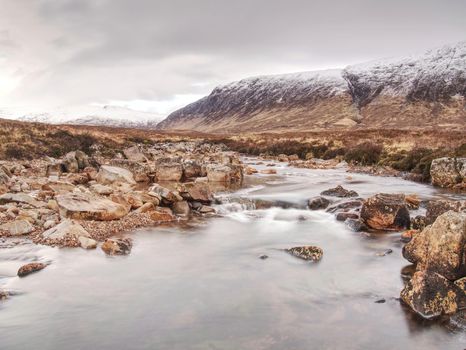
x=202, y=285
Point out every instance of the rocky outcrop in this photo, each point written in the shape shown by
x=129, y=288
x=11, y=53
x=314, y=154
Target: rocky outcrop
x=382, y=94
x=448, y=172
x=385, y=212
x=439, y=253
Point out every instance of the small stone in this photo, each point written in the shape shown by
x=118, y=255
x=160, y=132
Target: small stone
x=30, y=268
x=117, y=246
x=380, y=301
x=384, y=253
x=87, y=243
x=263, y=257
x=307, y=252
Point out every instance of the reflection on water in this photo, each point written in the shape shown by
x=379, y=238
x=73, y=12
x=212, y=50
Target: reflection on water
x=202, y=285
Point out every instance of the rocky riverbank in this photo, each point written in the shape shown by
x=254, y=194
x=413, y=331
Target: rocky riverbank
x=80, y=200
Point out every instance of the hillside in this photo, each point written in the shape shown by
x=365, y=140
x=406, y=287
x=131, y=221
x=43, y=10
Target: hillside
x=425, y=91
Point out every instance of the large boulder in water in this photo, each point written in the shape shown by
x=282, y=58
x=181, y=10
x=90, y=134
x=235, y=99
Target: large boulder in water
x=340, y=192
x=224, y=173
x=317, y=203
x=83, y=206
x=435, y=208
x=448, y=172
x=385, y=212
x=441, y=247
x=430, y=294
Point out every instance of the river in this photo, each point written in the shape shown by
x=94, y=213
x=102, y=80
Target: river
x=201, y=284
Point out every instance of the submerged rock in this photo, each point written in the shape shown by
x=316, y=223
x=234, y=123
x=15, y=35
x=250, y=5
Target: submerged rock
x=30, y=268
x=313, y=253
x=385, y=212
x=317, y=203
x=117, y=246
x=339, y=191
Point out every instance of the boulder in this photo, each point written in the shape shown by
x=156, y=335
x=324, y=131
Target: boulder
x=250, y=170
x=142, y=172
x=430, y=294
x=83, y=206
x=435, y=208
x=117, y=246
x=441, y=247
x=317, y=203
x=268, y=171
x=192, y=169
x=22, y=198
x=342, y=216
x=340, y=192
x=385, y=212
x=17, y=228
x=101, y=189
x=204, y=209
x=4, y=175
x=345, y=205
x=164, y=193
x=59, y=187
x=219, y=173
x=307, y=252
x=109, y=175
x=69, y=163
x=67, y=229
x=30, y=268
x=355, y=225
x=134, y=153
x=181, y=208
x=448, y=172
x=161, y=216
x=169, y=172
x=200, y=192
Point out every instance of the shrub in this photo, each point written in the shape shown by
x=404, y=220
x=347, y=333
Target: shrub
x=366, y=153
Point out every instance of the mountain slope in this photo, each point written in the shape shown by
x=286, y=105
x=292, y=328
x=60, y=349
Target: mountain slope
x=424, y=91
x=90, y=115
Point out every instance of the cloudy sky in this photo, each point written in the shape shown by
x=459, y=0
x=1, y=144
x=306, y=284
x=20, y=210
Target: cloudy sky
x=157, y=55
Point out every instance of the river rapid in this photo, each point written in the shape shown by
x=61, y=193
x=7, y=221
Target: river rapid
x=201, y=284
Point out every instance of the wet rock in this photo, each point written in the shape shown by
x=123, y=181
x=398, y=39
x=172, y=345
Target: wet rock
x=317, y=203
x=412, y=201
x=161, y=216
x=30, y=268
x=206, y=210
x=200, y=192
x=263, y=257
x=117, y=246
x=345, y=205
x=250, y=170
x=430, y=295
x=448, y=172
x=307, y=252
x=164, y=193
x=339, y=191
x=4, y=294
x=17, y=227
x=87, y=243
x=407, y=236
x=380, y=301
x=419, y=222
x=384, y=253
x=440, y=247
x=181, y=208
x=343, y=216
x=385, y=212
x=83, y=206
x=355, y=225
x=436, y=208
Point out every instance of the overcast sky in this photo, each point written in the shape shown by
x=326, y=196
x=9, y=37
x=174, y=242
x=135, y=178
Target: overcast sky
x=158, y=55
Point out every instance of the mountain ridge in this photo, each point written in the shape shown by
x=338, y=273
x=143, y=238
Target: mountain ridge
x=427, y=89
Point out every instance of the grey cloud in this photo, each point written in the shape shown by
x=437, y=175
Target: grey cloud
x=96, y=50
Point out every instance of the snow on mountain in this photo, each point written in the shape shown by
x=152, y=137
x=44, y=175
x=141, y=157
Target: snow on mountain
x=89, y=115
x=426, y=90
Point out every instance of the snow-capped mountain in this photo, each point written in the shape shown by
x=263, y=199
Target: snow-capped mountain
x=423, y=91
x=89, y=115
